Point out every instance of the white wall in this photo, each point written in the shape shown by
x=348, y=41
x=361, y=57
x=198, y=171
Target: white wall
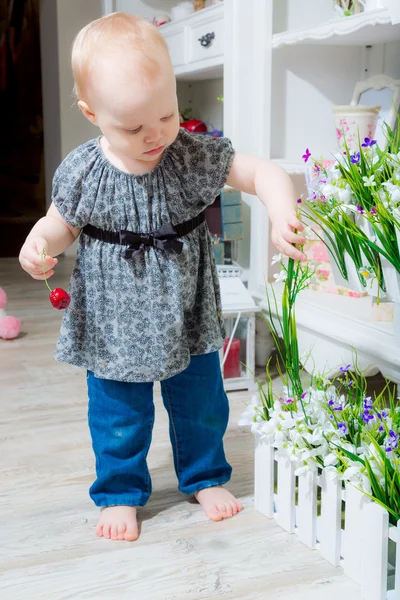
x=64, y=126
x=72, y=16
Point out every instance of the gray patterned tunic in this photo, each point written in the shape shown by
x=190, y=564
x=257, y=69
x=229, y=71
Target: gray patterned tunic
x=141, y=320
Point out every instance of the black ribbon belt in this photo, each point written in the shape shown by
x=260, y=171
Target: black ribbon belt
x=165, y=238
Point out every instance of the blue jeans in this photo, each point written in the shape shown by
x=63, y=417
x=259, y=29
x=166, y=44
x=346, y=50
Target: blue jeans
x=121, y=417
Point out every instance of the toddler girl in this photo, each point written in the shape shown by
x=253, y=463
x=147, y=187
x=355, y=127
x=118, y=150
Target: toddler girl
x=145, y=287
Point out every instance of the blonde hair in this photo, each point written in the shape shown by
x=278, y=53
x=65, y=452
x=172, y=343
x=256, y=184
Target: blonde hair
x=115, y=31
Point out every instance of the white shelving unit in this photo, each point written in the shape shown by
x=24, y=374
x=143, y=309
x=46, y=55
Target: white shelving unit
x=365, y=29
x=316, y=61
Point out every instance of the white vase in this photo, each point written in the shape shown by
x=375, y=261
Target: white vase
x=354, y=124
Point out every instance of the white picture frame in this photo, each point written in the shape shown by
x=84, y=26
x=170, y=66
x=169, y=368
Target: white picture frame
x=382, y=91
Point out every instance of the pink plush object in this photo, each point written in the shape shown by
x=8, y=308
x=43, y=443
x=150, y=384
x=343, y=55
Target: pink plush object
x=9, y=326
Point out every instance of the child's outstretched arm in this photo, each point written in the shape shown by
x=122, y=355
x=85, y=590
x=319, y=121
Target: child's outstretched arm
x=51, y=233
x=274, y=187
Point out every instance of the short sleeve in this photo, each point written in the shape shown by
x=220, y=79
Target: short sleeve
x=74, y=186
x=203, y=164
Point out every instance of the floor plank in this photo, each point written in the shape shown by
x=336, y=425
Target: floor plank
x=48, y=548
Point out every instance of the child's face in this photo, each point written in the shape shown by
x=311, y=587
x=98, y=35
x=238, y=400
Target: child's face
x=138, y=117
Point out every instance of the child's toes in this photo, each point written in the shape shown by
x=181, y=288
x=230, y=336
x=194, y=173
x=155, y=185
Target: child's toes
x=234, y=508
x=121, y=531
x=131, y=533
x=99, y=530
x=107, y=531
x=114, y=532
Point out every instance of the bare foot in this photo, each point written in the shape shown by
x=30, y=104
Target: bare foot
x=218, y=503
x=118, y=523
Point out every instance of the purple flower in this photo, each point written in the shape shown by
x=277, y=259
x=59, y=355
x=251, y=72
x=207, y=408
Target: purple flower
x=306, y=156
x=343, y=428
x=373, y=211
x=368, y=143
x=331, y=402
x=367, y=416
x=360, y=210
x=392, y=441
x=314, y=196
x=350, y=384
x=299, y=201
x=317, y=168
x=383, y=415
x=303, y=395
x=368, y=404
x=331, y=417
x=355, y=159
x=287, y=401
x=381, y=428
x=345, y=369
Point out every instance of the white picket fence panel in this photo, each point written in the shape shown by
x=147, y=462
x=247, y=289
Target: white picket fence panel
x=368, y=548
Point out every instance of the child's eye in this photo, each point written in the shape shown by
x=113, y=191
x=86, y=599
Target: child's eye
x=134, y=130
x=167, y=118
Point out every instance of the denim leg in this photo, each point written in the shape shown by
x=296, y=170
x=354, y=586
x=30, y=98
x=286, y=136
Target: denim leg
x=121, y=418
x=198, y=412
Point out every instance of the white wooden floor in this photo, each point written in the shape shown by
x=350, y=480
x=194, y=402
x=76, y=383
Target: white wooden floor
x=48, y=547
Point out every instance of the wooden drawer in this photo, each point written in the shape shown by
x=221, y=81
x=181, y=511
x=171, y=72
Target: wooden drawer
x=176, y=46
x=197, y=30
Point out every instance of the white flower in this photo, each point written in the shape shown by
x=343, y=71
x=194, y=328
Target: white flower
x=282, y=276
x=277, y=258
x=345, y=195
x=251, y=413
x=330, y=191
x=330, y=460
x=369, y=181
x=395, y=195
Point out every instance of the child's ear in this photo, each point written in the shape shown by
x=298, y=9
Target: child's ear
x=87, y=111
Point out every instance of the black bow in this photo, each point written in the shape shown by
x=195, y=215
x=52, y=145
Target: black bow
x=163, y=239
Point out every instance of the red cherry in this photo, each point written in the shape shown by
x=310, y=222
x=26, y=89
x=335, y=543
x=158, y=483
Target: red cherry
x=59, y=298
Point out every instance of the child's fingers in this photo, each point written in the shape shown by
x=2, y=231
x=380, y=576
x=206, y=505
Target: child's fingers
x=34, y=268
x=291, y=251
x=293, y=238
x=296, y=223
x=40, y=277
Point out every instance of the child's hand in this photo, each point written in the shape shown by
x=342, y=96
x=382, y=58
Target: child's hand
x=284, y=236
x=31, y=260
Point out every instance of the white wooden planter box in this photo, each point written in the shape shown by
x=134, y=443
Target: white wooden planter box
x=365, y=547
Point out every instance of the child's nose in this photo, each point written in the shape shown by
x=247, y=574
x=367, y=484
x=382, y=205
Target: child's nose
x=153, y=135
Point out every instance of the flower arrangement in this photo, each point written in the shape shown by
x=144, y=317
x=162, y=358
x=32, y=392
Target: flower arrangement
x=356, y=203
x=347, y=8
x=330, y=424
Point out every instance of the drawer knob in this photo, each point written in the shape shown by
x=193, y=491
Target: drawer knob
x=207, y=39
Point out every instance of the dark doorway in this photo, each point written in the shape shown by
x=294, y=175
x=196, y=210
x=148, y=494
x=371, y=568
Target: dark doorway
x=22, y=188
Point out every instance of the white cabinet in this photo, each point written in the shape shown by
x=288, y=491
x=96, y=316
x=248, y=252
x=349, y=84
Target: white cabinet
x=176, y=40
x=206, y=37
x=196, y=44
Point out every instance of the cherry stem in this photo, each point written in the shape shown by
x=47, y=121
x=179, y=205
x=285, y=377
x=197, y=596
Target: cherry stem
x=75, y=312
x=43, y=268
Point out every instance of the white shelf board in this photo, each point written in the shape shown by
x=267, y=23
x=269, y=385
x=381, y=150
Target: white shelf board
x=201, y=71
x=291, y=167
x=366, y=29
x=341, y=326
